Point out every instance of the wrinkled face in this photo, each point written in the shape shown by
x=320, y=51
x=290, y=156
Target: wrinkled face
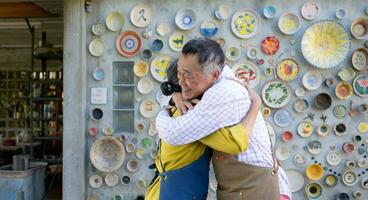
x=191, y=79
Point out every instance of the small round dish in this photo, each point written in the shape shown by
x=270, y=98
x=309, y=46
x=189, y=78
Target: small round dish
x=360, y=85
x=185, y=19
x=341, y=13
x=96, y=114
x=141, y=15
x=115, y=21
x=111, y=179
x=98, y=74
x=140, y=153
x=314, y=147
x=163, y=29
x=222, y=12
x=282, y=153
x=107, y=154
x=177, y=41
x=363, y=127
x=357, y=138
x=340, y=129
x=312, y=80
x=145, y=86
x=125, y=180
x=208, y=28
x=331, y=180
x=305, y=129
x=132, y=166
x=157, y=45
x=269, y=12
x=130, y=147
x=301, y=105
x=283, y=118
x=148, y=108
x=296, y=179
x=97, y=47
x=359, y=59
x=364, y=183
x=299, y=92
x=359, y=27
x=344, y=90
x=314, y=190
x=95, y=181
x=287, y=69
x=98, y=28
x=245, y=23
x=247, y=72
x=287, y=136
x=342, y=196
x=146, y=143
x=232, y=53
x=348, y=147
x=339, y=111
x=108, y=131
x=140, y=68
x=323, y=130
x=349, y=178
x=322, y=101
x=300, y=160
x=314, y=172
x=159, y=66
x=252, y=53
x=146, y=54
x=118, y=197
x=140, y=127
x=289, y=23
x=346, y=74
x=310, y=10
x=350, y=164
x=276, y=94
x=93, y=131
x=270, y=45
x=330, y=82
x=141, y=184
x=333, y=158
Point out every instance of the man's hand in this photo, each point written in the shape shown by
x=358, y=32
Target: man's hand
x=181, y=104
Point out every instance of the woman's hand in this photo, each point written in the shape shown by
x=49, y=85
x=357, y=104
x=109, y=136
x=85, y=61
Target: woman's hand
x=254, y=97
x=181, y=104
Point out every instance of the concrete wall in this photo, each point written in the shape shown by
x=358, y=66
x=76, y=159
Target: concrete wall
x=79, y=65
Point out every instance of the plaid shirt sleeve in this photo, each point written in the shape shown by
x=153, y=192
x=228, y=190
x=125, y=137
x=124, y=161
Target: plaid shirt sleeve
x=222, y=105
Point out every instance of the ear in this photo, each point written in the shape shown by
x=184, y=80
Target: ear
x=215, y=75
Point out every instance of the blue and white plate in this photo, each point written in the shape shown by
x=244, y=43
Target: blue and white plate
x=283, y=118
x=98, y=74
x=208, y=28
x=185, y=18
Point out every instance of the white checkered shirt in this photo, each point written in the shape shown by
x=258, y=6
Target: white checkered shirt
x=223, y=104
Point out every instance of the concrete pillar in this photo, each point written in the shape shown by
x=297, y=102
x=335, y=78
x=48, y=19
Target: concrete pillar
x=74, y=108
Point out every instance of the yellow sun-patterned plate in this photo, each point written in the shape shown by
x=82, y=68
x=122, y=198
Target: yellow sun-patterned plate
x=245, y=23
x=287, y=69
x=325, y=44
x=159, y=66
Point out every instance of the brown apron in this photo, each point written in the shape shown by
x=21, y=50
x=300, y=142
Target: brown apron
x=240, y=181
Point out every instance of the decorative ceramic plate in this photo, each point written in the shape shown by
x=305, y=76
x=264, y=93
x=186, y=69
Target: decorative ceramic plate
x=97, y=47
x=98, y=28
x=208, y=28
x=343, y=90
x=247, y=72
x=163, y=29
x=272, y=134
x=333, y=158
x=314, y=147
x=98, y=74
x=269, y=12
x=305, y=129
x=222, y=12
x=301, y=105
x=115, y=21
x=310, y=10
x=300, y=159
x=296, y=179
x=312, y=80
x=148, y=108
x=185, y=19
x=276, y=94
x=245, y=23
x=339, y=111
x=128, y=43
x=177, y=41
x=340, y=13
x=107, y=154
x=359, y=59
x=282, y=153
x=314, y=172
x=314, y=190
x=145, y=86
x=349, y=178
x=282, y=118
x=159, y=66
x=252, y=53
x=132, y=166
x=289, y=23
x=232, y=53
x=346, y=74
x=359, y=28
x=331, y=180
x=360, y=85
x=111, y=179
x=140, y=15
x=325, y=44
x=140, y=68
x=270, y=45
x=95, y=181
x=287, y=69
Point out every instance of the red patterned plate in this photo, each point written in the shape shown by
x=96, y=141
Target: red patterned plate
x=270, y=45
x=128, y=43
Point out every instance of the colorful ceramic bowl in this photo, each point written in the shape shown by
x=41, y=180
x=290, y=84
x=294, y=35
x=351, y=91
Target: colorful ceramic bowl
x=289, y=23
x=305, y=129
x=98, y=74
x=287, y=69
x=322, y=101
x=163, y=29
x=360, y=85
x=313, y=190
x=95, y=181
x=312, y=80
x=310, y=10
x=276, y=94
x=331, y=180
x=343, y=90
x=314, y=147
x=324, y=130
x=208, y=28
x=245, y=23
x=128, y=43
x=269, y=11
x=140, y=68
x=247, y=72
x=270, y=45
x=287, y=136
x=97, y=47
x=340, y=129
x=314, y=172
x=359, y=59
x=283, y=118
x=359, y=27
x=341, y=13
x=348, y=147
x=301, y=105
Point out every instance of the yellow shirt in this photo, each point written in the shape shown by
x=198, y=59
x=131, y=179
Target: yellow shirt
x=231, y=140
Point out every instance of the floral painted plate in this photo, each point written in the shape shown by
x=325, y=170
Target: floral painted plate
x=270, y=45
x=245, y=23
x=344, y=90
x=247, y=72
x=159, y=66
x=325, y=44
x=360, y=85
x=360, y=59
x=276, y=94
x=287, y=70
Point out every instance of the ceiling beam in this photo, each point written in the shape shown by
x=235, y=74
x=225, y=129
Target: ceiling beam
x=23, y=10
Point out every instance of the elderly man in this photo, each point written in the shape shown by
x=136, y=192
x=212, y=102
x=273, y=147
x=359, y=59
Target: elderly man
x=254, y=173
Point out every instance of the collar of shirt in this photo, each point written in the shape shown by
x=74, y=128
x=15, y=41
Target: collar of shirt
x=227, y=74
